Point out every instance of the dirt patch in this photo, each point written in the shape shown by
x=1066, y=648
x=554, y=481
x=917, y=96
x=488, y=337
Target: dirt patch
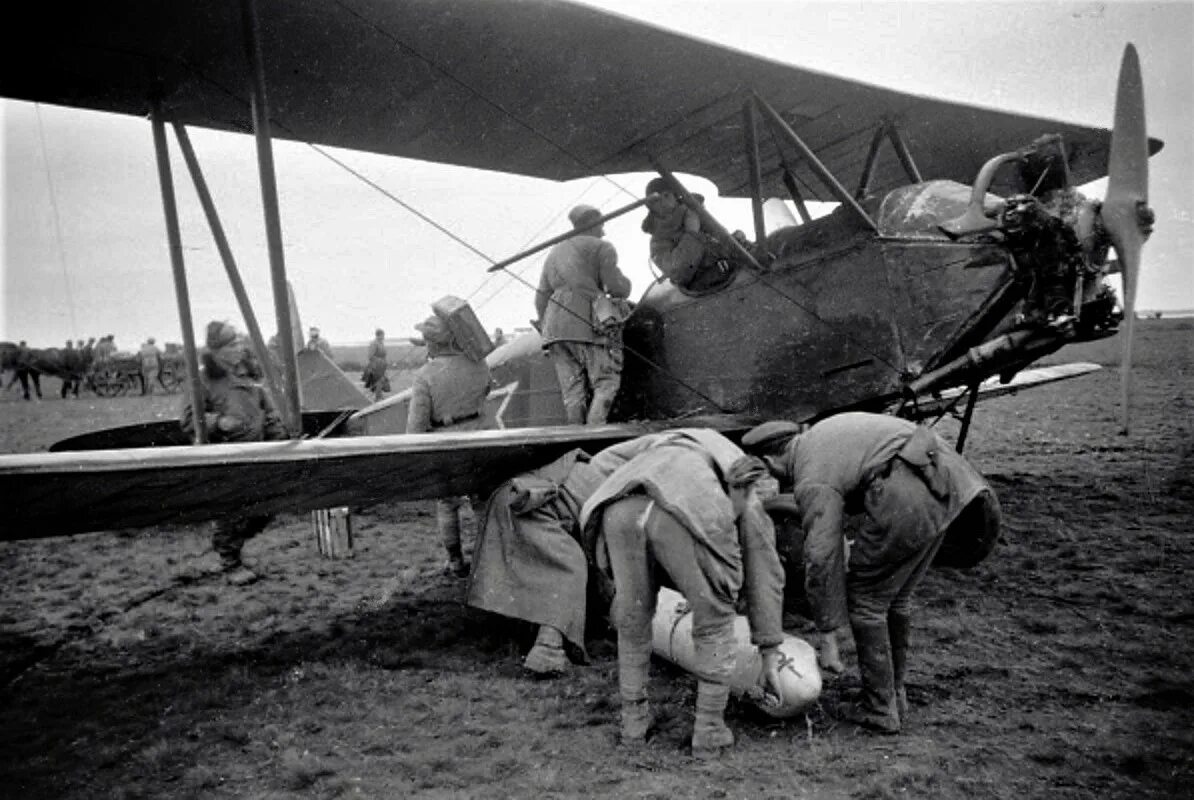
x=1061, y=668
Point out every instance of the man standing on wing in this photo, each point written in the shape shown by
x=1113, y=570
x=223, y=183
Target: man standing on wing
x=587, y=354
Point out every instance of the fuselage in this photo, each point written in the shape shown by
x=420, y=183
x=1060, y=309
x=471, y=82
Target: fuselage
x=843, y=317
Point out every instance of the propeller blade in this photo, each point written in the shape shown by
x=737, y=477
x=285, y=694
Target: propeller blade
x=1125, y=209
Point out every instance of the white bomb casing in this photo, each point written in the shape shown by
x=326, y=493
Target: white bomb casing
x=671, y=638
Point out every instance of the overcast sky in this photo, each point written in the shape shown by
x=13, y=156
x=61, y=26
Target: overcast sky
x=84, y=247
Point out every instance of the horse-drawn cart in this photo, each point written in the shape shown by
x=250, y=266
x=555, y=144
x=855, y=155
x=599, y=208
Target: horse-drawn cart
x=122, y=374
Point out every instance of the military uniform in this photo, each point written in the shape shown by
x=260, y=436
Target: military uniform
x=235, y=409
x=448, y=394
x=912, y=487
x=588, y=362
x=667, y=508
x=151, y=362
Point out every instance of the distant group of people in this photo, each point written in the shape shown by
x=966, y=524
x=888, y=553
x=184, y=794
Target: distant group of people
x=680, y=508
x=77, y=362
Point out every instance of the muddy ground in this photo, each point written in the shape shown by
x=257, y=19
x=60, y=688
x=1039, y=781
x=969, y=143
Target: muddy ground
x=1062, y=667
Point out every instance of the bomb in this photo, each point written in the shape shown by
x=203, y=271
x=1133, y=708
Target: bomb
x=671, y=638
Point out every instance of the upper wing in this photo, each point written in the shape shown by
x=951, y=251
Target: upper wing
x=536, y=87
x=994, y=387
x=51, y=494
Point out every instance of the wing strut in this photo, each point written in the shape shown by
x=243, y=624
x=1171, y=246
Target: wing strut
x=868, y=168
x=968, y=414
x=794, y=191
x=238, y=287
x=292, y=412
x=708, y=222
x=831, y=183
x=181, y=293
x=750, y=118
x=902, y=152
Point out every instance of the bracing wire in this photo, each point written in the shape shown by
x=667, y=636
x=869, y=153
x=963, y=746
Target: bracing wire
x=45, y=154
x=399, y=43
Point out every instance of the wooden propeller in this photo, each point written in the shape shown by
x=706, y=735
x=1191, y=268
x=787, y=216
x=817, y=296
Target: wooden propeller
x=1125, y=213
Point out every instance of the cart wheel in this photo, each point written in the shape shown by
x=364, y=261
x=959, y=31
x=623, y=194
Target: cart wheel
x=108, y=383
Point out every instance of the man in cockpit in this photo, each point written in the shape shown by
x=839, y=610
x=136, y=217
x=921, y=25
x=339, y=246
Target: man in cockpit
x=689, y=257
x=580, y=278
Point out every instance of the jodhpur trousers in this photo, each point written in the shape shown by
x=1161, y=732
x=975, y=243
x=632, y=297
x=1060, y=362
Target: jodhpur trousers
x=895, y=547
x=642, y=539
x=589, y=376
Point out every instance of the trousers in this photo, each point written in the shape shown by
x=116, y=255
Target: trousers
x=589, y=374
x=642, y=540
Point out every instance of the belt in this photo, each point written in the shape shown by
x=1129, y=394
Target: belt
x=447, y=421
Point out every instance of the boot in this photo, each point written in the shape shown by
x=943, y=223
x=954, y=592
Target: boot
x=547, y=658
x=634, y=663
x=710, y=735
x=898, y=626
x=455, y=565
x=876, y=707
x=447, y=518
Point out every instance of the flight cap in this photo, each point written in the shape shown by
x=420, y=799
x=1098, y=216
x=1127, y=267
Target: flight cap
x=770, y=436
x=583, y=216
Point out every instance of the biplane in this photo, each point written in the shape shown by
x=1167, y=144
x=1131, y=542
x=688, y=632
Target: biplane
x=959, y=253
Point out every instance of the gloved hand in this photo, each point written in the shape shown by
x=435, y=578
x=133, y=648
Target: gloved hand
x=227, y=424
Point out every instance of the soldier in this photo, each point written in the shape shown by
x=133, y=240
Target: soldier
x=691, y=258
x=24, y=372
x=317, y=342
x=587, y=351
x=376, y=366
x=448, y=394
x=235, y=409
x=683, y=502
x=911, y=486
x=71, y=376
x=151, y=362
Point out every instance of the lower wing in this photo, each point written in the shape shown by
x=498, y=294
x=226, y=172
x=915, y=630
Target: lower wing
x=53, y=494
x=940, y=402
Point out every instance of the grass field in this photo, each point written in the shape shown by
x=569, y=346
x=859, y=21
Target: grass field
x=1062, y=667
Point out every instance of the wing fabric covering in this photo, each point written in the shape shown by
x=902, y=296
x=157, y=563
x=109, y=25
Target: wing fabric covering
x=993, y=387
x=52, y=494
x=537, y=87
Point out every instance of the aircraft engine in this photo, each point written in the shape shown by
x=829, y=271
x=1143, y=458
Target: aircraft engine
x=671, y=638
x=1062, y=239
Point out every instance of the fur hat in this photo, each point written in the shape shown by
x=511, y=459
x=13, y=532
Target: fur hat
x=770, y=436
x=220, y=334
x=657, y=185
x=583, y=216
